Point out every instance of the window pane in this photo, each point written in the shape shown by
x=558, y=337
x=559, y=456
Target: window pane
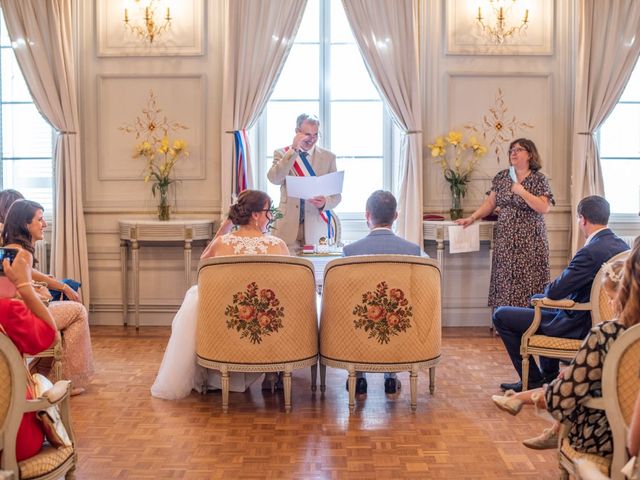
x=32, y=178
x=349, y=76
x=357, y=185
x=281, y=122
x=309, y=30
x=619, y=134
x=340, y=29
x=4, y=35
x=632, y=90
x=24, y=132
x=14, y=89
x=356, y=129
x=622, y=185
x=300, y=76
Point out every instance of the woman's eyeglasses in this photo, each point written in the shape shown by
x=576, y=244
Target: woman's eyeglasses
x=517, y=150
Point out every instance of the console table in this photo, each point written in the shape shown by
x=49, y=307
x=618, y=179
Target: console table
x=133, y=232
x=437, y=231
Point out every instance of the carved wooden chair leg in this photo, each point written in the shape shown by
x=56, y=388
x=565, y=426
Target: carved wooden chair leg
x=323, y=377
x=432, y=380
x=314, y=377
x=287, y=389
x=352, y=388
x=525, y=372
x=225, y=390
x=413, y=381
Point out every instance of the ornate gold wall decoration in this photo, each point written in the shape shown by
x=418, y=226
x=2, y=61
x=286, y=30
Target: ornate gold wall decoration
x=498, y=127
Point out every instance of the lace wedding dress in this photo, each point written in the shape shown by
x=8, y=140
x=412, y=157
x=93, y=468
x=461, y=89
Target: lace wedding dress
x=179, y=372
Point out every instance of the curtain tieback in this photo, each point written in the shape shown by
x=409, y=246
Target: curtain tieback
x=61, y=132
x=584, y=133
x=412, y=132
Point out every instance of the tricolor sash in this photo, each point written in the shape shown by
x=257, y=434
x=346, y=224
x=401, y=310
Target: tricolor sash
x=302, y=168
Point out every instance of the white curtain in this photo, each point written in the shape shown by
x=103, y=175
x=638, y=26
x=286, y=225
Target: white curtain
x=258, y=39
x=607, y=52
x=387, y=37
x=41, y=33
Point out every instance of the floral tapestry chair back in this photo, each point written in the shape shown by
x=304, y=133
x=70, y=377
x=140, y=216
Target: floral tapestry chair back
x=257, y=313
x=381, y=313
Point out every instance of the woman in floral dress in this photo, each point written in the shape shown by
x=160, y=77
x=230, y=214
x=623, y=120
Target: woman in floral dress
x=520, y=265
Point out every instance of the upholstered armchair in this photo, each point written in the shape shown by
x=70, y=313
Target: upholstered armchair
x=50, y=463
x=257, y=314
x=558, y=347
x=381, y=313
x=620, y=387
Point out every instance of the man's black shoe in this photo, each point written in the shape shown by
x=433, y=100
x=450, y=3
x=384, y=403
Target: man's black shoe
x=361, y=385
x=517, y=387
x=391, y=385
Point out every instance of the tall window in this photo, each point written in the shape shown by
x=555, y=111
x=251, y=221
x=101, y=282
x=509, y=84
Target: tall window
x=326, y=75
x=26, y=139
x=619, y=140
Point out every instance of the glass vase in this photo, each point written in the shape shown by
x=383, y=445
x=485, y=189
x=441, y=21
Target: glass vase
x=456, y=204
x=164, y=209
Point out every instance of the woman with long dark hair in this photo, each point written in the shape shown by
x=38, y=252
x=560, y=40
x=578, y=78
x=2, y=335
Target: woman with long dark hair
x=23, y=227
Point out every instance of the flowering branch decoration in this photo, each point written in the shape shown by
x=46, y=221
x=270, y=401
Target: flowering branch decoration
x=383, y=313
x=152, y=128
x=255, y=312
x=466, y=154
x=498, y=125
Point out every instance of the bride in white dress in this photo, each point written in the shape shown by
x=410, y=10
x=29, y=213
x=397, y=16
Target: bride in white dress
x=179, y=373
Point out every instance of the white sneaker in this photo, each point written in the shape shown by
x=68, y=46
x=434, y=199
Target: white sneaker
x=548, y=439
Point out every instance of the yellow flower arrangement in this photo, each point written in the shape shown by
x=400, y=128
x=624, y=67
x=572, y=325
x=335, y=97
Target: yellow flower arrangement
x=465, y=156
x=457, y=174
x=159, y=152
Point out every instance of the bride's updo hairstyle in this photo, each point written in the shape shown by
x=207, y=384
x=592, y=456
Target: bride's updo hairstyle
x=249, y=202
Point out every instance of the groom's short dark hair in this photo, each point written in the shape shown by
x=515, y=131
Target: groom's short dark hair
x=382, y=206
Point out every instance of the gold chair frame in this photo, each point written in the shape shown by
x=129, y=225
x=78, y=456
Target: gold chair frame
x=13, y=405
x=558, y=347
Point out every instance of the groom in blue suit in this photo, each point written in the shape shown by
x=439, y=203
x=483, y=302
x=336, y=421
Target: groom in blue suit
x=574, y=283
x=381, y=212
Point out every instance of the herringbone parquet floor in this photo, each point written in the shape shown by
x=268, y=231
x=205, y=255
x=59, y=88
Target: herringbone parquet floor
x=122, y=432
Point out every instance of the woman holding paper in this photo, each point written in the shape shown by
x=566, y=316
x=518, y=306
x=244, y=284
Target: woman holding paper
x=522, y=196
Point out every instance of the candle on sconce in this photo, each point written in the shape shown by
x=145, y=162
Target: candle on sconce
x=168, y=17
x=479, y=13
x=526, y=16
x=126, y=15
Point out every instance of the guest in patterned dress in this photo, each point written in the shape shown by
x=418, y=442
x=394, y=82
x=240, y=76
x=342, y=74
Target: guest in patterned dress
x=24, y=226
x=179, y=372
x=520, y=265
x=564, y=397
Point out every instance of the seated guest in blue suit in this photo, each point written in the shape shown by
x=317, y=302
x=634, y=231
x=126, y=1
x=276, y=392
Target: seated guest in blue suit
x=380, y=214
x=573, y=283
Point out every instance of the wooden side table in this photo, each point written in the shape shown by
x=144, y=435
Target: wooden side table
x=133, y=232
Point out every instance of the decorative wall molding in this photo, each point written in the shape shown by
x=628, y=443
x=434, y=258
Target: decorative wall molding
x=464, y=36
x=469, y=95
x=184, y=37
x=121, y=98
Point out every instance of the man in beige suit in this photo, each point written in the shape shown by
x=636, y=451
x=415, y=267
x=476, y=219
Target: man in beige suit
x=302, y=222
